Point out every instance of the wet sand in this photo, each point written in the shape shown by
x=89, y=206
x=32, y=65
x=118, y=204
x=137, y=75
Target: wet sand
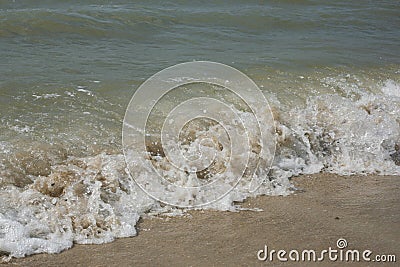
x=364, y=210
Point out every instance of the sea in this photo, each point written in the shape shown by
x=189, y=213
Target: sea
x=330, y=71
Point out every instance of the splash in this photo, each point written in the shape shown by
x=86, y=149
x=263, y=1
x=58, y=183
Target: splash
x=50, y=199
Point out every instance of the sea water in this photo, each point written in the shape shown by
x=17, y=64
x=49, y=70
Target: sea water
x=329, y=70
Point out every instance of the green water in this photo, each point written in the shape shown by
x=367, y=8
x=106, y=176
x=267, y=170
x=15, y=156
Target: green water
x=330, y=70
x=68, y=70
x=122, y=41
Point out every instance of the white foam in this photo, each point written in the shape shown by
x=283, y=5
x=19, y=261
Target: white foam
x=391, y=88
x=46, y=96
x=83, y=89
x=94, y=200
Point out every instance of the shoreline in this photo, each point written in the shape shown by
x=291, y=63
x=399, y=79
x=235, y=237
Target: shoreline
x=364, y=210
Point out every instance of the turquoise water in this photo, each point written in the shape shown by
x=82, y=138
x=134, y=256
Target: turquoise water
x=329, y=69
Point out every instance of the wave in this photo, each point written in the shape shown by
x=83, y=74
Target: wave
x=50, y=199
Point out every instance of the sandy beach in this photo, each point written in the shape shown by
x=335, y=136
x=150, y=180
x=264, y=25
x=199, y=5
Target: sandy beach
x=364, y=210
x=184, y=100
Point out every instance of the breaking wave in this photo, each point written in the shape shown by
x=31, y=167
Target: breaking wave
x=50, y=199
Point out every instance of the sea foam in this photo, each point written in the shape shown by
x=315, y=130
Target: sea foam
x=50, y=200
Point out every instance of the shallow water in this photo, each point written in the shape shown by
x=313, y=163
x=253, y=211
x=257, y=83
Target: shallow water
x=330, y=71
